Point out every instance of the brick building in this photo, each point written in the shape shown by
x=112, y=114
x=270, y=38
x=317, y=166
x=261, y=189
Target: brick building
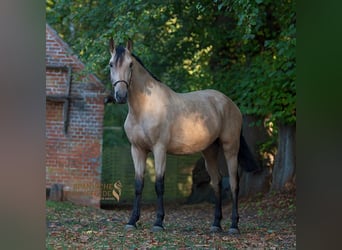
x=74, y=119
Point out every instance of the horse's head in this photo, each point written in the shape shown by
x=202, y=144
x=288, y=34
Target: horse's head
x=120, y=64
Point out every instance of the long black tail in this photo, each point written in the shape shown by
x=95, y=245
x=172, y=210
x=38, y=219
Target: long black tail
x=245, y=157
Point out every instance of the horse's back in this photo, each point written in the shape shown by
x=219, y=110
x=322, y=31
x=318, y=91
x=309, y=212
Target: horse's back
x=214, y=100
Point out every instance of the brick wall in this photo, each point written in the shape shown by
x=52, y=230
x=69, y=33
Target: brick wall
x=74, y=117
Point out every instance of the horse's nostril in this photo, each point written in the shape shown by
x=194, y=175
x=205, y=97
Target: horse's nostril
x=117, y=97
x=121, y=98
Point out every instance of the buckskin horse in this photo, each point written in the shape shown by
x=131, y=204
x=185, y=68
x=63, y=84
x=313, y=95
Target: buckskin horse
x=162, y=121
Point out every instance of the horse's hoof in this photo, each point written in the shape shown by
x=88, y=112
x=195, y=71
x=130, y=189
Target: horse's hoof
x=215, y=229
x=157, y=229
x=233, y=231
x=129, y=227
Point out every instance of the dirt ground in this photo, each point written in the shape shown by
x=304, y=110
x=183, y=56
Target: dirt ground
x=267, y=221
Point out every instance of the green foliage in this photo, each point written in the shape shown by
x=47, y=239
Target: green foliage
x=245, y=49
x=262, y=76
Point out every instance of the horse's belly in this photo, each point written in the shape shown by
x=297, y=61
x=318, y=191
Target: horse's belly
x=181, y=146
x=191, y=135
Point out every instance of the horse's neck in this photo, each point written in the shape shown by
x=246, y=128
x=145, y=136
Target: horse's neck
x=145, y=90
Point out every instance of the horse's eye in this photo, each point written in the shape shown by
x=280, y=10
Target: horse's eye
x=110, y=65
x=131, y=65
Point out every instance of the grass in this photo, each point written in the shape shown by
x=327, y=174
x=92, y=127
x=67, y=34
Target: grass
x=186, y=226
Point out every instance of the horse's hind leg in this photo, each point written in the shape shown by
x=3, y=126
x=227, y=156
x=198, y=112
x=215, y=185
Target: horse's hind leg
x=210, y=155
x=231, y=155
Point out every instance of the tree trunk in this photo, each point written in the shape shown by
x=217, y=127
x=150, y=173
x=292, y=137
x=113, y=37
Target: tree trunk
x=285, y=161
x=251, y=183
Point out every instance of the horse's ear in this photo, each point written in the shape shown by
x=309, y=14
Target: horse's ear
x=129, y=45
x=111, y=45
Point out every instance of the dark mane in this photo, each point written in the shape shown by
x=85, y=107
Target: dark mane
x=142, y=64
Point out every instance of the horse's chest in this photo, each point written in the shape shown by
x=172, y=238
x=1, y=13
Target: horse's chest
x=142, y=133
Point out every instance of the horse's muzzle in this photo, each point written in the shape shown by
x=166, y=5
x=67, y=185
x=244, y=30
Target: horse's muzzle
x=120, y=91
x=120, y=98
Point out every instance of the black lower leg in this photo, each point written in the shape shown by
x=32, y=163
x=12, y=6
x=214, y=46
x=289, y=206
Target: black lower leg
x=159, y=187
x=139, y=185
x=218, y=207
x=235, y=214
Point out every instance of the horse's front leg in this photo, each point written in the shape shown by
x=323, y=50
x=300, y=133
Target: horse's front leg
x=160, y=163
x=139, y=159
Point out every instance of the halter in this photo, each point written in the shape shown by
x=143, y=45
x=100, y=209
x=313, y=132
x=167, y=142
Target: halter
x=118, y=81
x=125, y=82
